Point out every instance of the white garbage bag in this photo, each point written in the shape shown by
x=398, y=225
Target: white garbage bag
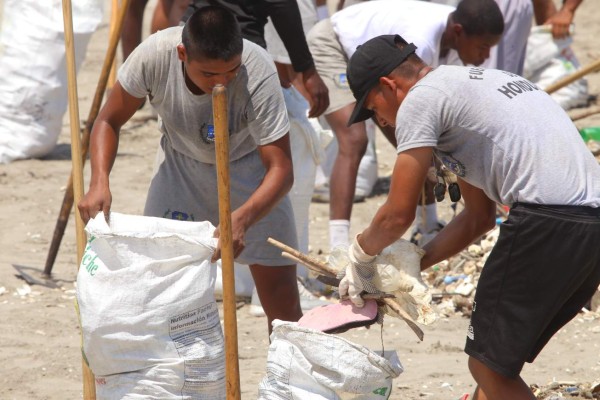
x=33, y=72
x=150, y=324
x=305, y=364
x=548, y=60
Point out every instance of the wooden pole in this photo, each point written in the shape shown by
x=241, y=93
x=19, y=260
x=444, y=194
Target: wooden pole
x=220, y=117
x=89, y=388
x=67, y=203
x=586, y=69
x=114, y=15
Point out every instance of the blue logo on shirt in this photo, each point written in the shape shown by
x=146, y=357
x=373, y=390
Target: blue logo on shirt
x=207, y=133
x=341, y=81
x=455, y=166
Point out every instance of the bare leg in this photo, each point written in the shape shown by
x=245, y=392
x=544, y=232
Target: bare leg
x=131, y=35
x=352, y=142
x=277, y=290
x=493, y=386
x=160, y=17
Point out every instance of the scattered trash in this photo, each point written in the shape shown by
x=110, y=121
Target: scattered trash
x=567, y=390
x=24, y=290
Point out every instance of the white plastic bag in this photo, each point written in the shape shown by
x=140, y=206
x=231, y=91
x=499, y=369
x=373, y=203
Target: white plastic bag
x=549, y=60
x=150, y=324
x=305, y=364
x=244, y=284
x=33, y=75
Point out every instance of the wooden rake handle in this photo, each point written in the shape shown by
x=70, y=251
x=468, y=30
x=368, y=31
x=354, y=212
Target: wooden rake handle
x=221, y=122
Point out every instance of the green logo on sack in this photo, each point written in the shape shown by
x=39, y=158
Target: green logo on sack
x=382, y=391
x=89, y=258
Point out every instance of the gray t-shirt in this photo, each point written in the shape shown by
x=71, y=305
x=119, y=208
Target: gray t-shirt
x=257, y=113
x=501, y=133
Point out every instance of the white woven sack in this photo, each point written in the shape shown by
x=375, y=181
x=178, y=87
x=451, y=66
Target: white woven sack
x=33, y=72
x=150, y=324
x=548, y=60
x=305, y=364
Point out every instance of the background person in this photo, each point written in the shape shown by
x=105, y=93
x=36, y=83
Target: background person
x=442, y=34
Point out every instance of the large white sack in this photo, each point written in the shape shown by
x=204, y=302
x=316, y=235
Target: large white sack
x=150, y=324
x=306, y=364
x=548, y=60
x=33, y=74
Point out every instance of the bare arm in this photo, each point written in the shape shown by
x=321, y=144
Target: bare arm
x=395, y=216
x=562, y=20
x=287, y=21
x=104, y=142
x=543, y=10
x=478, y=217
x=545, y=13
x=278, y=180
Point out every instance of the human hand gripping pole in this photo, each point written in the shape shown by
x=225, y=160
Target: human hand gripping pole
x=358, y=275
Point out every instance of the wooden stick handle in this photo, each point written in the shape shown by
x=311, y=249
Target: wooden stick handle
x=311, y=262
x=114, y=12
x=308, y=264
x=586, y=69
x=89, y=384
x=221, y=126
x=393, y=304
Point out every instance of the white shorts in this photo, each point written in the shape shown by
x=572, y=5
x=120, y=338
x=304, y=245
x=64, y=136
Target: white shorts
x=185, y=189
x=331, y=64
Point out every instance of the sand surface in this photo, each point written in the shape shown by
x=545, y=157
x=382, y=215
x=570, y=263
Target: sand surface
x=39, y=333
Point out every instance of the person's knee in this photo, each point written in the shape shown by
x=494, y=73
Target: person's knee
x=477, y=368
x=353, y=140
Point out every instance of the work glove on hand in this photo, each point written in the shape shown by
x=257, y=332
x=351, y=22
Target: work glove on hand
x=358, y=275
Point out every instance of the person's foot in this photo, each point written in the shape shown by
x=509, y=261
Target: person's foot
x=421, y=238
x=321, y=194
x=255, y=306
x=308, y=301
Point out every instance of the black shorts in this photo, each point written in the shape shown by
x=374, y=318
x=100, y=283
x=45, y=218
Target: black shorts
x=544, y=268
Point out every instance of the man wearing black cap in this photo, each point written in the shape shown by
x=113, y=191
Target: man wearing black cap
x=491, y=129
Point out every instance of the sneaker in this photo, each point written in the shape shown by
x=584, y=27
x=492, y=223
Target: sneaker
x=308, y=301
x=321, y=194
x=420, y=239
x=256, y=308
x=360, y=195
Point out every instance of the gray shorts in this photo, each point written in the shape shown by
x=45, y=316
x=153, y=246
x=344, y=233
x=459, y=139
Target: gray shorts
x=185, y=189
x=331, y=64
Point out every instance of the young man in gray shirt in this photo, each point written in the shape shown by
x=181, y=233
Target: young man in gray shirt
x=177, y=69
x=508, y=142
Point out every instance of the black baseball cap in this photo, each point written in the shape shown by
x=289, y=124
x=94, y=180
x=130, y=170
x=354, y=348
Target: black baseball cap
x=373, y=59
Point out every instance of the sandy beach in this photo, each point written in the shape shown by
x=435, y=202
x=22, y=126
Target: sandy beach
x=40, y=354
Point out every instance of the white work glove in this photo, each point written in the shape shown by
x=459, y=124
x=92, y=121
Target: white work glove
x=358, y=274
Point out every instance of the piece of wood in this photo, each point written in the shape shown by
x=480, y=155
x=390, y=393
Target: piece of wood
x=220, y=117
x=393, y=304
x=89, y=384
x=580, y=73
x=307, y=260
x=584, y=113
x=114, y=15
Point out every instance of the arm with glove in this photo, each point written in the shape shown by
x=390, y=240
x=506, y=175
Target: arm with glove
x=391, y=221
